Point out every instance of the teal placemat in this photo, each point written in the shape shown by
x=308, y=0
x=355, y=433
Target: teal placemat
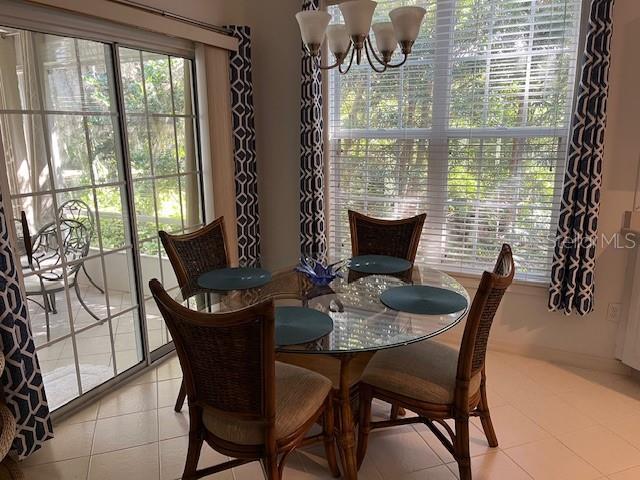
x=423, y=300
x=296, y=325
x=379, y=264
x=241, y=278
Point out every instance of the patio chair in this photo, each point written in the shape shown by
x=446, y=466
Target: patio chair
x=51, y=251
x=79, y=211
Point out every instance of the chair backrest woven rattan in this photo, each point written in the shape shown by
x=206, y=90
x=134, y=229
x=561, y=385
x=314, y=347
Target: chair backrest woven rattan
x=227, y=359
x=395, y=238
x=483, y=309
x=195, y=253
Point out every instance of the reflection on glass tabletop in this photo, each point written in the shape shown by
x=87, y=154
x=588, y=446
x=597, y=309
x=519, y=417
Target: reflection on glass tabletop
x=361, y=321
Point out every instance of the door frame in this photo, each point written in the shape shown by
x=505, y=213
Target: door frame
x=149, y=358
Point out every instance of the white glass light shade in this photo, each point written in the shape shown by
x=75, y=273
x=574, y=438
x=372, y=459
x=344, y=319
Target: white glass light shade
x=358, y=15
x=385, y=36
x=338, y=38
x=406, y=22
x=313, y=25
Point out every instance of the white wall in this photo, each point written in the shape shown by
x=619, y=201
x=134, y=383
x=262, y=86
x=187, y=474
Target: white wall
x=523, y=322
x=276, y=77
x=276, y=60
x=215, y=12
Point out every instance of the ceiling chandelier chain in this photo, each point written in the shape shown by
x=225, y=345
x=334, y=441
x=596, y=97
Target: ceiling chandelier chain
x=353, y=36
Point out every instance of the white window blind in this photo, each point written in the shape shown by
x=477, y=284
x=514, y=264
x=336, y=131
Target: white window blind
x=472, y=131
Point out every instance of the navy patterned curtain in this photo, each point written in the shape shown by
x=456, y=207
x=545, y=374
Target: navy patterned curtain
x=21, y=379
x=572, y=271
x=244, y=136
x=313, y=240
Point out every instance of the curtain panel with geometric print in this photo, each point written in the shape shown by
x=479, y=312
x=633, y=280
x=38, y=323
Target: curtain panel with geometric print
x=244, y=137
x=572, y=273
x=313, y=242
x=21, y=379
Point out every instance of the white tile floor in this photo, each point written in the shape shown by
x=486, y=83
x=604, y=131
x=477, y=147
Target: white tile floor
x=553, y=423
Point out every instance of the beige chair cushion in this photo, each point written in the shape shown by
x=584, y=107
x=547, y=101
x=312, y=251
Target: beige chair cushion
x=299, y=394
x=424, y=371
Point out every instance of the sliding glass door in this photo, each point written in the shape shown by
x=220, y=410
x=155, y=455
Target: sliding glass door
x=160, y=128
x=100, y=149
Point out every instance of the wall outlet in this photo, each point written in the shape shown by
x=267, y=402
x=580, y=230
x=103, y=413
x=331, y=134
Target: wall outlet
x=613, y=312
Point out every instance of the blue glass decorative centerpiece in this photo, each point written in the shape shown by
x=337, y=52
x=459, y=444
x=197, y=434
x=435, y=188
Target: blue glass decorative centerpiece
x=318, y=273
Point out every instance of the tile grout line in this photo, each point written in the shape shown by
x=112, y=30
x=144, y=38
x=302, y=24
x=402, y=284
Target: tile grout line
x=523, y=411
x=493, y=451
x=587, y=460
x=621, y=471
x=158, y=432
x=506, y=452
x=93, y=441
x=424, y=442
x=93, y=453
x=158, y=421
x=442, y=460
x=499, y=449
x=449, y=466
x=526, y=472
x=144, y=444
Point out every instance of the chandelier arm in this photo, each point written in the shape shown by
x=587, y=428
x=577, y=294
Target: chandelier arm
x=329, y=67
x=353, y=51
x=366, y=51
x=337, y=63
x=373, y=51
x=404, y=60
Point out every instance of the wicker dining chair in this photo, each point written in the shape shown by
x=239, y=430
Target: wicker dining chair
x=242, y=402
x=191, y=255
x=438, y=382
x=375, y=236
x=195, y=253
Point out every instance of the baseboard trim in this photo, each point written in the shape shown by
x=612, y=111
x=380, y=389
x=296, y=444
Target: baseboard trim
x=554, y=355
x=574, y=359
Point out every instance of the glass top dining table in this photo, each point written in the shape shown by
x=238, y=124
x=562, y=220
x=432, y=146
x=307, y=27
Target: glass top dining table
x=361, y=322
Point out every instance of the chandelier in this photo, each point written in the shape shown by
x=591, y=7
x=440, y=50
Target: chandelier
x=348, y=40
